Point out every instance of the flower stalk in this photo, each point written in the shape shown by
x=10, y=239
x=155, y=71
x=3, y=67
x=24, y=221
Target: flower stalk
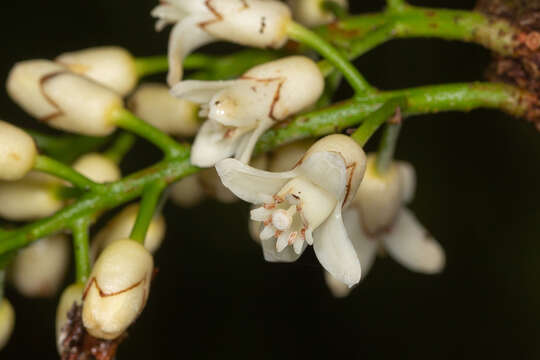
x=147, y=210
x=80, y=229
x=53, y=167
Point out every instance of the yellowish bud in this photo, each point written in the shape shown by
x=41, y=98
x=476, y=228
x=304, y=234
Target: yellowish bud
x=98, y=168
x=17, y=152
x=7, y=322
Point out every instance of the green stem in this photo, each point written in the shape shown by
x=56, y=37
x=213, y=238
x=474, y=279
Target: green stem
x=429, y=99
x=121, y=146
x=2, y=283
x=372, y=122
x=53, y=167
x=128, y=121
x=146, y=66
x=80, y=229
x=307, y=37
x=147, y=210
x=387, y=148
x=469, y=26
x=331, y=6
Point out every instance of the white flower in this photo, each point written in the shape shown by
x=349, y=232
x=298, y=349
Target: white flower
x=39, y=269
x=98, y=168
x=111, y=66
x=53, y=94
x=71, y=296
x=7, y=322
x=377, y=217
x=311, y=12
x=303, y=206
x=257, y=23
x=17, y=152
x=120, y=227
x=155, y=104
x=117, y=290
x=239, y=111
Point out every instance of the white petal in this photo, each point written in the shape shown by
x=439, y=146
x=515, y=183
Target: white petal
x=407, y=176
x=336, y=287
x=327, y=170
x=412, y=246
x=211, y=145
x=200, y=92
x=246, y=148
x=250, y=184
x=185, y=36
x=335, y=250
x=365, y=247
x=272, y=255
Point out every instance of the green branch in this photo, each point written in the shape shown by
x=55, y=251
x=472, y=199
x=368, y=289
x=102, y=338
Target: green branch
x=428, y=99
x=53, y=167
x=121, y=146
x=80, y=229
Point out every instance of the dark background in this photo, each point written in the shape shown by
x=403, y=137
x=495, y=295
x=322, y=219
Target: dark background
x=215, y=297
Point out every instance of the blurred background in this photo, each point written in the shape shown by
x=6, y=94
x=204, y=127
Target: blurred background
x=215, y=297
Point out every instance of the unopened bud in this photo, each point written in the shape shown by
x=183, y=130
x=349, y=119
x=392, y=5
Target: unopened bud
x=39, y=269
x=71, y=296
x=7, y=322
x=120, y=227
x=311, y=12
x=32, y=197
x=110, y=66
x=286, y=157
x=155, y=104
x=98, y=168
x=117, y=290
x=17, y=152
x=188, y=191
x=62, y=99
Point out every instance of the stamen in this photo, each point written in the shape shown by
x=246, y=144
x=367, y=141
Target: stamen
x=281, y=242
x=308, y=236
x=293, y=237
x=298, y=246
x=260, y=214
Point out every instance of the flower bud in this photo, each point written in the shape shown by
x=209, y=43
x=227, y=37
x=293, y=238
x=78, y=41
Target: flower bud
x=17, y=152
x=188, y=191
x=120, y=227
x=39, y=269
x=311, y=12
x=255, y=23
x=110, y=66
x=62, y=99
x=117, y=290
x=71, y=296
x=33, y=197
x=7, y=322
x=155, y=104
x=98, y=168
x=286, y=157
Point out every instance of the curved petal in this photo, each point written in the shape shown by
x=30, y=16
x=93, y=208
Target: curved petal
x=337, y=288
x=185, y=36
x=166, y=15
x=328, y=170
x=245, y=150
x=335, y=250
x=250, y=184
x=211, y=145
x=412, y=246
x=365, y=247
x=198, y=91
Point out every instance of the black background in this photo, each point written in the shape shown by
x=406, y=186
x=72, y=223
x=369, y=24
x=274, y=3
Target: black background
x=215, y=297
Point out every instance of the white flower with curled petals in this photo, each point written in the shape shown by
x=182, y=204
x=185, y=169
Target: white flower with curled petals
x=240, y=111
x=311, y=12
x=303, y=206
x=256, y=23
x=377, y=217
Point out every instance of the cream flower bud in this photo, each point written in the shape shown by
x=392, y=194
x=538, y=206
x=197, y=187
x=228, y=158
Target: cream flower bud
x=117, y=290
x=62, y=99
x=377, y=218
x=286, y=157
x=7, y=322
x=155, y=104
x=17, y=152
x=240, y=111
x=303, y=206
x=120, y=226
x=33, y=197
x=39, y=269
x=71, y=296
x=311, y=12
x=255, y=23
x=98, y=168
x=188, y=191
x=111, y=66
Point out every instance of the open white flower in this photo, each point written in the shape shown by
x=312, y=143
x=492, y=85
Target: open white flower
x=377, y=218
x=312, y=13
x=303, y=206
x=257, y=23
x=240, y=111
